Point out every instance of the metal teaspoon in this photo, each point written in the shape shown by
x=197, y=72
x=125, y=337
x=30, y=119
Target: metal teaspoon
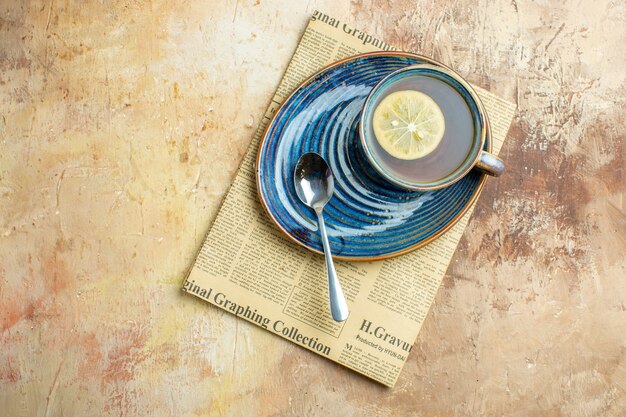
x=314, y=185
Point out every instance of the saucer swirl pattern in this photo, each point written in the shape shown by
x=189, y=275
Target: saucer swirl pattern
x=368, y=218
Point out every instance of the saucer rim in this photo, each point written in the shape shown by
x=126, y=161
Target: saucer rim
x=470, y=202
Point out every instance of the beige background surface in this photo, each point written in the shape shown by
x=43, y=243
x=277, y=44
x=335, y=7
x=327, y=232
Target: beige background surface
x=122, y=125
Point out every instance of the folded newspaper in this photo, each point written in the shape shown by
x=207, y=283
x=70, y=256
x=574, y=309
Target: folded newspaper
x=247, y=267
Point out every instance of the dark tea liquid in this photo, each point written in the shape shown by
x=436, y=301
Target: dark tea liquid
x=454, y=146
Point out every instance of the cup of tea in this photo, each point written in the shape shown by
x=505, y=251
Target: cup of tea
x=423, y=127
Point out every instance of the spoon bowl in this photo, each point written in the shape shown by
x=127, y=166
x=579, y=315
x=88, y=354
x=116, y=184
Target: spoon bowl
x=314, y=181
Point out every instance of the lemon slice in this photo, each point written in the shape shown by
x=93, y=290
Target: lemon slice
x=408, y=124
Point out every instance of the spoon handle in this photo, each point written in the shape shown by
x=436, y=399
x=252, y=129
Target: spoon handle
x=338, y=305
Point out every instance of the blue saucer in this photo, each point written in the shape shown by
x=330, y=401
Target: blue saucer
x=368, y=218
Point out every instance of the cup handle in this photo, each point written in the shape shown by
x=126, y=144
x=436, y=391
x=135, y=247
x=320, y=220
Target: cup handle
x=490, y=164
